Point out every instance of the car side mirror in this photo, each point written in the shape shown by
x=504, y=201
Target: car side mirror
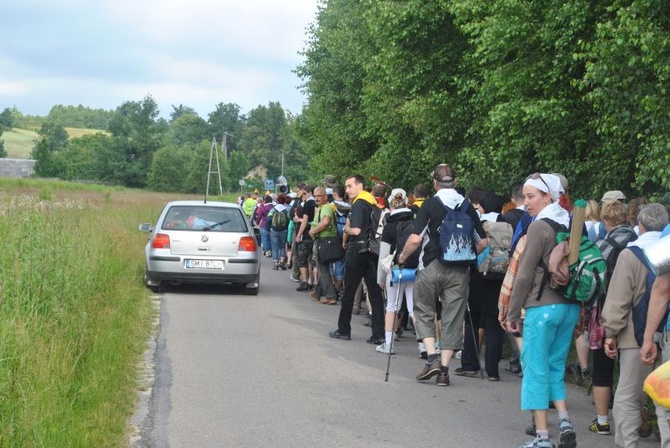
x=146, y=227
x=257, y=234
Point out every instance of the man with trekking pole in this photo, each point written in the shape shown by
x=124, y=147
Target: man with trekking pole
x=454, y=236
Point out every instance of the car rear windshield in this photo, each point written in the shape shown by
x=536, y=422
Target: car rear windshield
x=213, y=219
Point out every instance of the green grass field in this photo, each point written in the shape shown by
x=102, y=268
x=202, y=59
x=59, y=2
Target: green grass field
x=20, y=142
x=74, y=313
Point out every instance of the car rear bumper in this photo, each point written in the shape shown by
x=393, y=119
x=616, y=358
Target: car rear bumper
x=171, y=268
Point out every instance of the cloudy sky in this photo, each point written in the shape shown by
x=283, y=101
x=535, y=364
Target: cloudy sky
x=100, y=53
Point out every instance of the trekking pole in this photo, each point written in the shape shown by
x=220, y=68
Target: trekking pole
x=476, y=342
x=395, y=316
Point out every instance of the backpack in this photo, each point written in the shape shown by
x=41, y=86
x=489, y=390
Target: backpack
x=340, y=222
x=377, y=222
x=640, y=310
x=583, y=280
x=493, y=261
x=457, y=236
x=403, y=230
x=279, y=220
x=613, y=244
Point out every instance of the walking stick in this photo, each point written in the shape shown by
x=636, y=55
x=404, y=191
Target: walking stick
x=395, y=316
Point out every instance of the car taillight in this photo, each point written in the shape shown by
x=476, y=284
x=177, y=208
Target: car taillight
x=161, y=241
x=247, y=244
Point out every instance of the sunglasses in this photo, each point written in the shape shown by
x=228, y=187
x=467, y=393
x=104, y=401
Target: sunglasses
x=539, y=176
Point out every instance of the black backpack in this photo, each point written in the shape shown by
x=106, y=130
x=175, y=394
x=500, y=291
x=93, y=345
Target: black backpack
x=377, y=222
x=403, y=230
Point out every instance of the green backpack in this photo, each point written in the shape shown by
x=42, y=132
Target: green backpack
x=582, y=281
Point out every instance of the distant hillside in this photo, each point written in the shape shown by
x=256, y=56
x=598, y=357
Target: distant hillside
x=20, y=142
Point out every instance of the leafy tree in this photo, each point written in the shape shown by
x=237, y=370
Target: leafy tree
x=626, y=82
x=178, y=111
x=6, y=120
x=239, y=167
x=167, y=171
x=3, y=151
x=54, y=135
x=46, y=165
x=188, y=128
x=80, y=158
x=333, y=125
x=199, y=171
x=226, y=118
x=136, y=134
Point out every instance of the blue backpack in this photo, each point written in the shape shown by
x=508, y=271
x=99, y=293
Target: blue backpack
x=457, y=236
x=640, y=310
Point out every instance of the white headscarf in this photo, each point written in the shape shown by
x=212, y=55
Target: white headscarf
x=552, y=185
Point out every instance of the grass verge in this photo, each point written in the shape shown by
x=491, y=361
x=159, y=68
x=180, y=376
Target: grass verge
x=74, y=315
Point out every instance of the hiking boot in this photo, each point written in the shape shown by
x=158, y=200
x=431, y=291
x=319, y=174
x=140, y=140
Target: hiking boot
x=538, y=443
x=383, y=348
x=566, y=437
x=337, y=334
x=603, y=429
x=442, y=379
x=646, y=427
x=469, y=373
x=302, y=287
x=276, y=266
x=429, y=370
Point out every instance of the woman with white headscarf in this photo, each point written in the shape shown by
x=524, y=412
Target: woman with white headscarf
x=549, y=320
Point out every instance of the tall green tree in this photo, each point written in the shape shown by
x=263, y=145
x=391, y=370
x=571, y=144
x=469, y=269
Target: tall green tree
x=167, y=171
x=188, y=128
x=137, y=133
x=79, y=160
x=226, y=120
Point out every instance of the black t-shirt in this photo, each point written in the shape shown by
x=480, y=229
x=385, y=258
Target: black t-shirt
x=308, y=209
x=430, y=216
x=360, y=219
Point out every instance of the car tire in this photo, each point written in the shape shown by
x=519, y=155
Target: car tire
x=254, y=291
x=147, y=282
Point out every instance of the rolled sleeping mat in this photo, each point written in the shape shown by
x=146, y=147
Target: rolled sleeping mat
x=658, y=256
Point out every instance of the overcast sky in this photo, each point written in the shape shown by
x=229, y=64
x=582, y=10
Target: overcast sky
x=100, y=53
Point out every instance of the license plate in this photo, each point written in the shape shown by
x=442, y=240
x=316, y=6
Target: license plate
x=204, y=264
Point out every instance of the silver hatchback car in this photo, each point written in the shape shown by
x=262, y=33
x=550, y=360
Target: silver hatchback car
x=203, y=242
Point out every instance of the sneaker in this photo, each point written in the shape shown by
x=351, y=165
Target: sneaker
x=437, y=348
x=603, y=430
x=442, y=379
x=457, y=355
x=383, y=348
x=337, y=334
x=295, y=278
x=429, y=370
x=567, y=437
x=469, y=373
x=538, y=443
x=302, y=287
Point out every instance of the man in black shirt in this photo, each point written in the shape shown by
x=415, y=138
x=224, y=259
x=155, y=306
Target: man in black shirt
x=436, y=280
x=359, y=263
x=304, y=240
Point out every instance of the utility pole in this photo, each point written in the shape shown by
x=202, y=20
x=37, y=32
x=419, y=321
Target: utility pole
x=213, y=151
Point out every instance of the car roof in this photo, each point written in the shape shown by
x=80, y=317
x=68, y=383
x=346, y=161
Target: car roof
x=192, y=203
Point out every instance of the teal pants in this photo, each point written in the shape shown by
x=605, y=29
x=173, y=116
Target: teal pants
x=547, y=335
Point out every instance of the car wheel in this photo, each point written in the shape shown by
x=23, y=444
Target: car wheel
x=253, y=291
x=153, y=285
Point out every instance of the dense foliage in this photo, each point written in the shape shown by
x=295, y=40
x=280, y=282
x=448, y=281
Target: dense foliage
x=136, y=148
x=498, y=88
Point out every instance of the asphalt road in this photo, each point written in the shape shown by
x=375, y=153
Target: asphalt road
x=244, y=371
